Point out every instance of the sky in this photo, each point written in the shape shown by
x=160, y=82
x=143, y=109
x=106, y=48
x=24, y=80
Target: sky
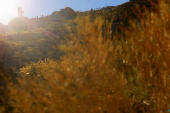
x=33, y=8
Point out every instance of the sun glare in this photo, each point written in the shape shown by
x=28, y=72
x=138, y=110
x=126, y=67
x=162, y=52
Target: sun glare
x=8, y=10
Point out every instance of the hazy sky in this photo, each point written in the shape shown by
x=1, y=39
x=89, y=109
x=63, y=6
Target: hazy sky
x=33, y=8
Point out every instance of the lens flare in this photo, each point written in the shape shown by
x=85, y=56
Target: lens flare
x=8, y=10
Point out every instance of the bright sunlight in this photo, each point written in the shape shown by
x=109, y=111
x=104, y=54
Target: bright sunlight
x=8, y=10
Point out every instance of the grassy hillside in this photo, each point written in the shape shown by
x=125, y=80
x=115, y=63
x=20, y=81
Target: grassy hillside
x=107, y=60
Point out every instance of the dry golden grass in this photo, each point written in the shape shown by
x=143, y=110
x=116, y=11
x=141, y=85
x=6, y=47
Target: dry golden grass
x=102, y=76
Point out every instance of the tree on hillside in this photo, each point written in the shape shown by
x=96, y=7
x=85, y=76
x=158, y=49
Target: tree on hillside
x=67, y=13
x=20, y=12
x=19, y=23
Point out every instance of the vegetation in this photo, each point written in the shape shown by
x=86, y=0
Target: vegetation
x=80, y=63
